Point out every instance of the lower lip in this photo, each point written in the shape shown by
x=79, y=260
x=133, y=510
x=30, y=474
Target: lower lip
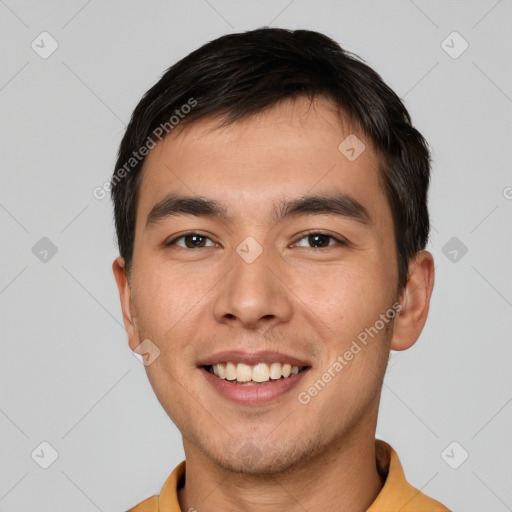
x=256, y=394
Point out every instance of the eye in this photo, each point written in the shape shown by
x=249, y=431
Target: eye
x=320, y=239
x=191, y=241
x=195, y=240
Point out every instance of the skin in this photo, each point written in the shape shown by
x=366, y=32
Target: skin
x=299, y=298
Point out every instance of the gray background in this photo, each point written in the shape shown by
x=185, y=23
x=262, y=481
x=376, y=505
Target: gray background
x=67, y=376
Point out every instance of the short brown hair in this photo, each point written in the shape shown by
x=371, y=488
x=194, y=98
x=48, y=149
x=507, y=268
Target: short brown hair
x=240, y=74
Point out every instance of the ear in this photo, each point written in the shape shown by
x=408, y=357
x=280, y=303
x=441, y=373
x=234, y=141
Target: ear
x=415, y=300
x=118, y=267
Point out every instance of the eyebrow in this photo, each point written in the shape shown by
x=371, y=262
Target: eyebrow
x=339, y=204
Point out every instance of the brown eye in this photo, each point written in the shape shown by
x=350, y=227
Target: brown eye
x=191, y=241
x=320, y=240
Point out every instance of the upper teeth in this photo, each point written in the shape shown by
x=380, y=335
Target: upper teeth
x=260, y=372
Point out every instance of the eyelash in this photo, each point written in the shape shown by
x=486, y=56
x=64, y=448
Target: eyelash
x=305, y=235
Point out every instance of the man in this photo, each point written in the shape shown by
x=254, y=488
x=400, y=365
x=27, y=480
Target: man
x=270, y=202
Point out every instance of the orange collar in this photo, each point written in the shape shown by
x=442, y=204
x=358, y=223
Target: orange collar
x=396, y=494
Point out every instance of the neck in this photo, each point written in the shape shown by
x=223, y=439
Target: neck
x=343, y=477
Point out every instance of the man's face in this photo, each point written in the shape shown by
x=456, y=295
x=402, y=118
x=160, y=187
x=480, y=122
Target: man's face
x=291, y=288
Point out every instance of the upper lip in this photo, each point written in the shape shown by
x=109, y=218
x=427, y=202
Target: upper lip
x=251, y=358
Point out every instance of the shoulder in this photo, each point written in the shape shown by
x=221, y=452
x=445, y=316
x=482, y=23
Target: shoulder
x=397, y=493
x=148, y=505
x=167, y=500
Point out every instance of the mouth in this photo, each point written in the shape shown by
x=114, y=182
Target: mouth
x=259, y=374
x=253, y=384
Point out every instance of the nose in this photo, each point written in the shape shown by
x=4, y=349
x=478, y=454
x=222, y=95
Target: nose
x=254, y=294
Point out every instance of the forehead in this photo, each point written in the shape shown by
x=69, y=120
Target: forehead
x=286, y=151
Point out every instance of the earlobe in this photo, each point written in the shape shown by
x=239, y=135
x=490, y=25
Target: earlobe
x=123, y=286
x=415, y=301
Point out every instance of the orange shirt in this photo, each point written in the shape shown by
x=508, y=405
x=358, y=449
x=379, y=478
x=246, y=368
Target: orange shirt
x=396, y=494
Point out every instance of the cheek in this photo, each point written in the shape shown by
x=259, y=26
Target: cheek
x=163, y=297
x=350, y=295
x=169, y=304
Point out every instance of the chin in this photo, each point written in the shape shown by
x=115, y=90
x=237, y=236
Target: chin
x=253, y=458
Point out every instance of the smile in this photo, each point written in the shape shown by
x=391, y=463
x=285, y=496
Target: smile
x=268, y=386
x=260, y=373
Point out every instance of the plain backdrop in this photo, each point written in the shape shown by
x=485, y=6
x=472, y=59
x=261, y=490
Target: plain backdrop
x=67, y=376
